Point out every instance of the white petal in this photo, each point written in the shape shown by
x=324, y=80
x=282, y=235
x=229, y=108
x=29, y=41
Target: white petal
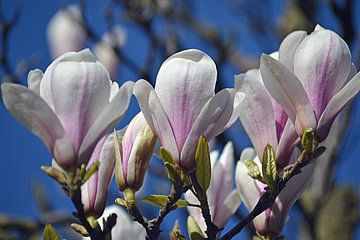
x=184, y=84
x=285, y=88
x=109, y=117
x=211, y=122
x=288, y=48
x=155, y=116
x=256, y=115
x=336, y=104
x=34, y=79
x=35, y=115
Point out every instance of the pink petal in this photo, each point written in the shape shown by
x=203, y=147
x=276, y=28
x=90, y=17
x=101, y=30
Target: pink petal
x=211, y=122
x=287, y=197
x=228, y=208
x=249, y=191
x=322, y=63
x=77, y=88
x=184, y=84
x=109, y=117
x=287, y=90
x=256, y=115
x=336, y=104
x=34, y=114
x=288, y=48
x=155, y=116
x=288, y=141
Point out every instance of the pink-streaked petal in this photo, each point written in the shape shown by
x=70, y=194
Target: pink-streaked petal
x=34, y=114
x=155, y=116
x=288, y=141
x=256, y=114
x=239, y=97
x=34, y=79
x=211, y=122
x=228, y=208
x=287, y=197
x=336, y=104
x=184, y=84
x=80, y=90
x=288, y=91
x=109, y=117
x=249, y=191
x=195, y=212
x=105, y=173
x=222, y=179
x=288, y=48
x=322, y=63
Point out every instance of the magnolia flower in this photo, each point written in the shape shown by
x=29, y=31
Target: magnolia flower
x=104, y=50
x=125, y=227
x=312, y=80
x=70, y=107
x=94, y=191
x=263, y=118
x=223, y=199
x=271, y=221
x=65, y=31
x=135, y=151
x=183, y=105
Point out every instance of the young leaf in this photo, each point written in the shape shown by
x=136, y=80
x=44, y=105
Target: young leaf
x=194, y=230
x=161, y=201
x=203, y=165
x=175, y=234
x=121, y=202
x=166, y=156
x=254, y=170
x=79, y=229
x=309, y=141
x=269, y=166
x=56, y=174
x=92, y=169
x=50, y=233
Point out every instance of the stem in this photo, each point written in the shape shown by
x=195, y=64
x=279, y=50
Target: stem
x=95, y=233
x=212, y=230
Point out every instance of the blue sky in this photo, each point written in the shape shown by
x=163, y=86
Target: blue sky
x=23, y=153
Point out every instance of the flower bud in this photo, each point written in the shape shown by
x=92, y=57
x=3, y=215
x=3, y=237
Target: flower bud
x=94, y=191
x=65, y=31
x=104, y=50
x=135, y=151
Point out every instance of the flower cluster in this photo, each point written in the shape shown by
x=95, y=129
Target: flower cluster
x=285, y=106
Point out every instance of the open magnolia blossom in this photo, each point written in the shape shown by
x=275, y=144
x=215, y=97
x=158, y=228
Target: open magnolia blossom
x=263, y=118
x=125, y=227
x=65, y=31
x=104, y=50
x=94, y=190
x=70, y=107
x=222, y=198
x=312, y=80
x=183, y=105
x=271, y=221
x=134, y=153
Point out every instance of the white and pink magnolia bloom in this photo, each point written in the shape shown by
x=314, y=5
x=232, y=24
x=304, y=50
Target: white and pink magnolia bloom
x=94, y=191
x=65, y=31
x=265, y=122
x=271, y=221
x=136, y=148
x=125, y=227
x=223, y=199
x=183, y=105
x=104, y=50
x=312, y=80
x=70, y=107
x=263, y=118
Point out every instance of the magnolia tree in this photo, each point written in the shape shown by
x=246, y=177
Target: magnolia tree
x=287, y=106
